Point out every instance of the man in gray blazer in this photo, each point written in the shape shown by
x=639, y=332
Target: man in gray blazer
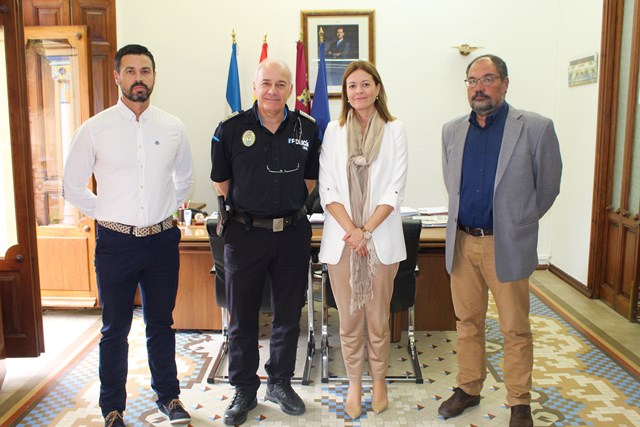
x=502, y=171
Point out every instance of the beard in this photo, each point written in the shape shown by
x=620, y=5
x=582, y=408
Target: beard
x=137, y=96
x=482, y=104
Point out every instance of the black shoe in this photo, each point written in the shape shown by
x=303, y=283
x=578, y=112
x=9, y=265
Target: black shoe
x=521, y=416
x=286, y=398
x=114, y=419
x=175, y=412
x=241, y=404
x=457, y=403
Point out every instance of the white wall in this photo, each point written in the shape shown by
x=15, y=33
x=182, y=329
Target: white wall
x=422, y=73
x=576, y=122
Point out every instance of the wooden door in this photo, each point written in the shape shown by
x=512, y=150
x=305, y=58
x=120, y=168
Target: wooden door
x=100, y=17
x=59, y=91
x=19, y=287
x=615, y=241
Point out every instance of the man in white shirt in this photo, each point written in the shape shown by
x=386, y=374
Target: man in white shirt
x=141, y=160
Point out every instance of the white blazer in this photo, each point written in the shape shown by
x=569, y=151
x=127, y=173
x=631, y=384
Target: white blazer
x=388, y=175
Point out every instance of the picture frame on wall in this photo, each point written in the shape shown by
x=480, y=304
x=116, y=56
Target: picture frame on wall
x=348, y=35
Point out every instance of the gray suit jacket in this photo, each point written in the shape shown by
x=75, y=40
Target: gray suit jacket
x=527, y=183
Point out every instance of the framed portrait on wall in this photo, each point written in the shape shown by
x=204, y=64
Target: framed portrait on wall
x=347, y=35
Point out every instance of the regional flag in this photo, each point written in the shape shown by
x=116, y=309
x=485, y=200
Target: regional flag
x=320, y=105
x=233, y=81
x=303, y=101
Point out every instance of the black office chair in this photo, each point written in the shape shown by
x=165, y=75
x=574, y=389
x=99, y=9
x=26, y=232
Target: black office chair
x=403, y=298
x=217, y=251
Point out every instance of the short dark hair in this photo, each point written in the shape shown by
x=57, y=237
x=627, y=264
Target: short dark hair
x=133, y=49
x=497, y=61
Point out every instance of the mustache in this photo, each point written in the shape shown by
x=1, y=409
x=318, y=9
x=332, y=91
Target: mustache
x=139, y=84
x=479, y=95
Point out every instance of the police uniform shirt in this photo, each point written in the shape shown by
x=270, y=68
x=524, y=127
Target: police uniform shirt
x=267, y=170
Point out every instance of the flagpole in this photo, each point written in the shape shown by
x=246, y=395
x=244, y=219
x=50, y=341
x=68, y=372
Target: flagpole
x=233, y=78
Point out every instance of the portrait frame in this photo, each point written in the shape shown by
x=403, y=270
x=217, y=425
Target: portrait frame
x=358, y=30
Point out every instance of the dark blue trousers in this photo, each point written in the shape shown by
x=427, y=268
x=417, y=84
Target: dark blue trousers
x=249, y=256
x=122, y=262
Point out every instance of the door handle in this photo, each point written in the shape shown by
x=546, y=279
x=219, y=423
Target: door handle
x=4, y=8
x=19, y=259
x=87, y=228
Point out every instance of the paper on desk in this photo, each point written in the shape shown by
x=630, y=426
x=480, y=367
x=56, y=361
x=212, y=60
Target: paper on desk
x=434, y=210
x=316, y=218
x=407, y=211
x=433, y=220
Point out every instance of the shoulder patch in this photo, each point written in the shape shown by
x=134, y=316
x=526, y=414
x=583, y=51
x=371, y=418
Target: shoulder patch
x=303, y=114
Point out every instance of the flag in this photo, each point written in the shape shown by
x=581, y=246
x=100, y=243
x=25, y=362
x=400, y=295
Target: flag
x=263, y=56
x=233, y=82
x=302, y=84
x=265, y=47
x=320, y=105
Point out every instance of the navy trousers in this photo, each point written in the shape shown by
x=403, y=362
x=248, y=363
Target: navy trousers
x=122, y=262
x=251, y=254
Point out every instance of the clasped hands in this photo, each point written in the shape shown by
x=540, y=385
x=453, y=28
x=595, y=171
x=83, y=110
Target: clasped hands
x=355, y=240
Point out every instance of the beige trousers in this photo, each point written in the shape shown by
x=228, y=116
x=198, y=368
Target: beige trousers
x=472, y=276
x=376, y=314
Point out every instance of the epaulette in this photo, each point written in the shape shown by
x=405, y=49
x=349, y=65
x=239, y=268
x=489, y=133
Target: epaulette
x=230, y=116
x=303, y=114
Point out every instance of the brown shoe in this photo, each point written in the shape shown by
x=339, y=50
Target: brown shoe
x=521, y=416
x=457, y=403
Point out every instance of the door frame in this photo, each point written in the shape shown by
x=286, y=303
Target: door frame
x=19, y=278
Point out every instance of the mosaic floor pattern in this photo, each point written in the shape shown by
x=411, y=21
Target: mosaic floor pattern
x=575, y=384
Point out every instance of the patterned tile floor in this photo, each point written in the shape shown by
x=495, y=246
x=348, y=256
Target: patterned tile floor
x=575, y=384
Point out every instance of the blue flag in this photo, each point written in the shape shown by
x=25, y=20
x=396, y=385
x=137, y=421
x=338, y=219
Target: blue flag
x=233, y=82
x=320, y=104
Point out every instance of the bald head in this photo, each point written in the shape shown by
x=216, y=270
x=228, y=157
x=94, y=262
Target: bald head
x=274, y=65
x=272, y=86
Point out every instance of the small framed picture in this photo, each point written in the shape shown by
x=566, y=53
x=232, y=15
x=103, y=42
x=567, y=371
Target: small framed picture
x=347, y=35
x=583, y=71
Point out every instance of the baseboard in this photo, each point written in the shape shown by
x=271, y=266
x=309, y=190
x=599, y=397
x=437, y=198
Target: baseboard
x=574, y=283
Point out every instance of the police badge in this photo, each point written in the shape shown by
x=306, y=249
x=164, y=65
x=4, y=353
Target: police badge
x=248, y=138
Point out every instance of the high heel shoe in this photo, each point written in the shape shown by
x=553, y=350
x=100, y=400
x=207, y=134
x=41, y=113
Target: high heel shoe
x=380, y=400
x=353, y=406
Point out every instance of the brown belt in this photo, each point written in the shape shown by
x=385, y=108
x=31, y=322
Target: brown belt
x=139, y=231
x=271, y=224
x=476, y=232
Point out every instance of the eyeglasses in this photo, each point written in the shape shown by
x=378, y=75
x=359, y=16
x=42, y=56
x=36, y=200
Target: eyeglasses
x=486, y=81
x=283, y=170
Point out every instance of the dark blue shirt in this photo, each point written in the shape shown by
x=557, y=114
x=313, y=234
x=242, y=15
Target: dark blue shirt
x=267, y=170
x=479, y=164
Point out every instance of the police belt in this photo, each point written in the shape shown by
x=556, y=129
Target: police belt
x=271, y=224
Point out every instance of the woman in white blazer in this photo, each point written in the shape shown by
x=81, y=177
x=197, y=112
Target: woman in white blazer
x=363, y=170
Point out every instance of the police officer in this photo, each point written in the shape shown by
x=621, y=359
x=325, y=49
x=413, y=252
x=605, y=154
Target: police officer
x=265, y=163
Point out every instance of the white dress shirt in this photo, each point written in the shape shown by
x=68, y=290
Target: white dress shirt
x=143, y=169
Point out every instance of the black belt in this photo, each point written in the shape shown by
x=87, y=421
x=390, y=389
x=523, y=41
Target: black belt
x=476, y=232
x=271, y=224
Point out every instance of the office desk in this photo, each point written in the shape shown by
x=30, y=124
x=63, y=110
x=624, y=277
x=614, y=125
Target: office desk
x=196, y=300
x=196, y=307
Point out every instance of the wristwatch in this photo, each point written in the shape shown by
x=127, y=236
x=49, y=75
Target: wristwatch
x=365, y=233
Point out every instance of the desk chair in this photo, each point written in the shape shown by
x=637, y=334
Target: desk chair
x=403, y=298
x=217, y=251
